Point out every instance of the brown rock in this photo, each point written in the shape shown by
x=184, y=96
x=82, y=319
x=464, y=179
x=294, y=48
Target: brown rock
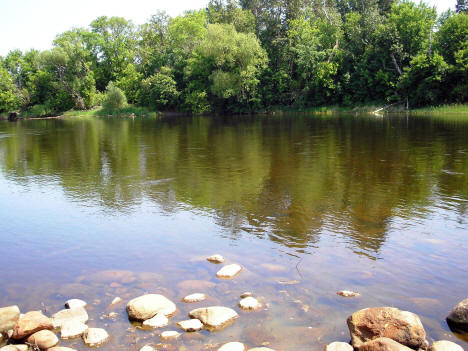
x=458, y=317
x=383, y=344
x=44, y=339
x=30, y=323
x=372, y=323
x=8, y=318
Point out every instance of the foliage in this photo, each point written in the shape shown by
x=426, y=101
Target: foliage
x=114, y=99
x=159, y=90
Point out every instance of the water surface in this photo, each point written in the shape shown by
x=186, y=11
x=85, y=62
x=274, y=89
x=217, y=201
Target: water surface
x=307, y=204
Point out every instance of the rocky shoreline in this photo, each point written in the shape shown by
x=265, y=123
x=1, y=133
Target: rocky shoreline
x=371, y=329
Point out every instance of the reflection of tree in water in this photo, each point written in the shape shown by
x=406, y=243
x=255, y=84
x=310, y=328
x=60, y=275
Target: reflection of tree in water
x=286, y=179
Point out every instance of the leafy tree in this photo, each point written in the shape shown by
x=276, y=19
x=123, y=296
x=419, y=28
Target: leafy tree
x=159, y=90
x=114, y=99
x=452, y=36
x=9, y=97
x=229, y=11
x=462, y=6
x=130, y=81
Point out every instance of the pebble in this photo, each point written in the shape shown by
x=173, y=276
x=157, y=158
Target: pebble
x=116, y=301
x=44, y=339
x=229, y=271
x=215, y=258
x=74, y=303
x=170, y=334
x=72, y=329
x=191, y=325
x=157, y=321
x=194, y=298
x=348, y=293
x=249, y=303
x=232, y=346
x=95, y=337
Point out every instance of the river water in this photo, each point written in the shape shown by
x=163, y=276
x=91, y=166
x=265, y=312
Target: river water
x=307, y=204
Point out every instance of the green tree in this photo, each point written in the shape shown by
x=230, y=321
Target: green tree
x=114, y=98
x=9, y=97
x=160, y=90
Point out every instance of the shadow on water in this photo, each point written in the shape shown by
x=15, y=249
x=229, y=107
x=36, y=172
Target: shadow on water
x=332, y=201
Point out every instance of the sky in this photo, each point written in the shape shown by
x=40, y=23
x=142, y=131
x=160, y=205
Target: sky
x=27, y=24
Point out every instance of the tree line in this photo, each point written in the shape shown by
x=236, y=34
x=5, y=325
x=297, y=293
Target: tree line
x=242, y=56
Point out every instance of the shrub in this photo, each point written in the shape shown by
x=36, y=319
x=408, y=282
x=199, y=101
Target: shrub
x=114, y=99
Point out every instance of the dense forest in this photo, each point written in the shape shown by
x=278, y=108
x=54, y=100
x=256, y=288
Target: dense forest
x=249, y=55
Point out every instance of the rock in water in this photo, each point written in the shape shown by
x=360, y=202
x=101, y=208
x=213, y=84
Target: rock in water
x=372, y=323
x=146, y=348
x=458, y=317
x=383, y=344
x=116, y=300
x=15, y=348
x=215, y=258
x=170, y=334
x=261, y=349
x=95, y=337
x=67, y=315
x=147, y=306
x=229, y=271
x=215, y=316
x=157, y=321
x=246, y=294
x=347, y=293
x=232, y=346
x=338, y=346
x=61, y=348
x=8, y=318
x=249, y=303
x=194, y=298
x=74, y=303
x=445, y=345
x=191, y=325
x=30, y=323
x=72, y=329
x=44, y=339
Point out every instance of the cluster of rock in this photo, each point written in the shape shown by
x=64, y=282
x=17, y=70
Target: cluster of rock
x=39, y=331
x=390, y=329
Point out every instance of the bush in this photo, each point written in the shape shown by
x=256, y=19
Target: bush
x=114, y=99
x=39, y=111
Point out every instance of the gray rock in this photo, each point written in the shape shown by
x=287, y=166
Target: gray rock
x=191, y=325
x=371, y=323
x=95, y=337
x=458, y=317
x=445, y=345
x=338, y=346
x=147, y=306
x=73, y=314
x=215, y=316
x=383, y=344
x=8, y=318
x=43, y=339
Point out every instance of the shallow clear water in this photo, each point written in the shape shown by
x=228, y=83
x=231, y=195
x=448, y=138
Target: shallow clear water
x=98, y=208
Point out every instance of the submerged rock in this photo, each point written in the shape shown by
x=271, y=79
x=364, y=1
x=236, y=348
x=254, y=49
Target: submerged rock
x=338, y=346
x=157, y=321
x=73, y=314
x=30, y=323
x=249, y=303
x=75, y=303
x=348, y=293
x=95, y=337
x=43, y=339
x=229, y=271
x=383, y=344
x=232, y=346
x=191, y=325
x=458, y=317
x=8, y=318
x=445, y=345
x=372, y=323
x=194, y=298
x=215, y=316
x=261, y=349
x=61, y=348
x=246, y=294
x=169, y=335
x=215, y=258
x=147, y=306
x=72, y=329
x=20, y=347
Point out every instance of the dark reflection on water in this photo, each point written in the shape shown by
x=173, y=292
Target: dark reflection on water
x=374, y=204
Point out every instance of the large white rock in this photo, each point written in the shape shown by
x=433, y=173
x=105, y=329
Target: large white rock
x=30, y=323
x=157, y=321
x=445, y=345
x=338, y=346
x=249, y=303
x=216, y=258
x=169, y=335
x=15, y=348
x=95, y=337
x=191, y=325
x=8, y=318
x=73, y=314
x=75, y=303
x=147, y=348
x=215, y=316
x=229, y=271
x=194, y=298
x=147, y=306
x=43, y=339
x=232, y=346
x=72, y=329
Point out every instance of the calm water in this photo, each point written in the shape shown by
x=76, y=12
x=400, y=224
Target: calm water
x=98, y=208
